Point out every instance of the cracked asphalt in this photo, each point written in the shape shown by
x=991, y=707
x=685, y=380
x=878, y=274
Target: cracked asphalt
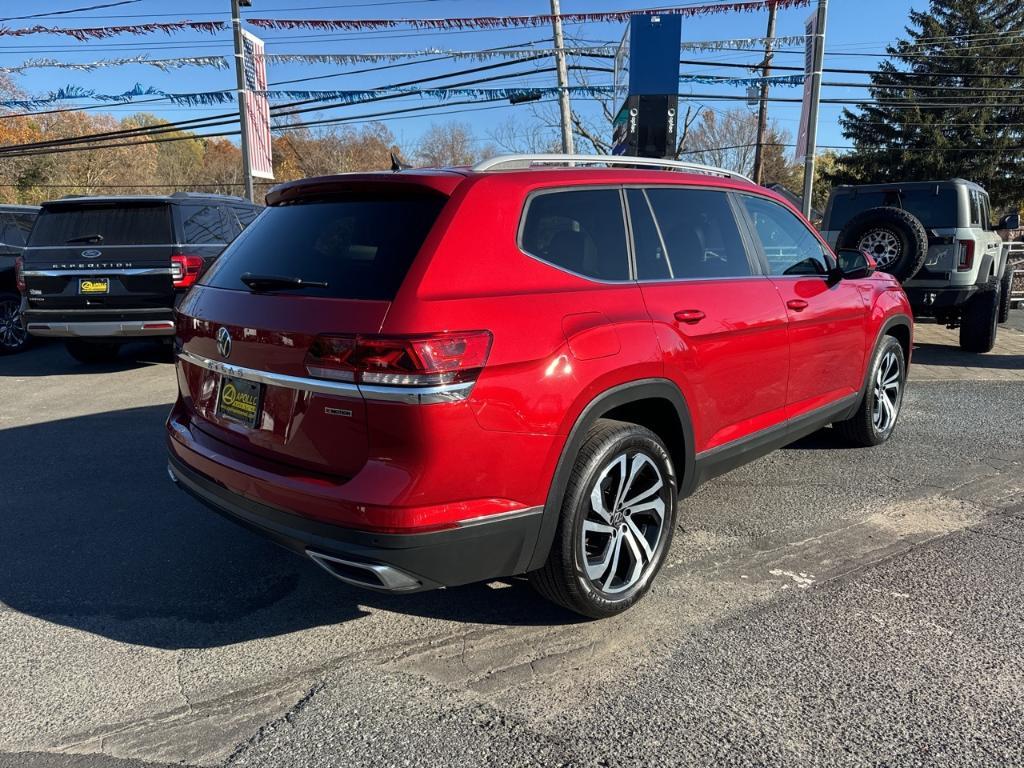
x=821, y=606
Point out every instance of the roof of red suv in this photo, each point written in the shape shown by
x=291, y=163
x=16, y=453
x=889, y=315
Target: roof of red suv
x=528, y=170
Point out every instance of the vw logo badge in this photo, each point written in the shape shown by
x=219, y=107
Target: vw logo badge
x=91, y=253
x=223, y=342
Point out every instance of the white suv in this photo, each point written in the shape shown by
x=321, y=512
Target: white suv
x=938, y=239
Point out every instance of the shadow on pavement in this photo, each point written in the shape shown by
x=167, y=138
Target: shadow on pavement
x=49, y=358
x=943, y=354
x=93, y=535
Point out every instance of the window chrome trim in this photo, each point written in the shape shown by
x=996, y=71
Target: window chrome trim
x=85, y=271
x=443, y=393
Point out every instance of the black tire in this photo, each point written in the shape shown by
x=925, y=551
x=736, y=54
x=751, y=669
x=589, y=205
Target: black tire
x=896, y=239
x=92, y=352
x=980, y=320
x=13, y=336
x=564, y=578
x=1005, y=291
x=865, y=428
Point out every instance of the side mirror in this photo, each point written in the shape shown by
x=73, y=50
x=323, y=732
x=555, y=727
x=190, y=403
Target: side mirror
x=1009, y=221
x=855, y=264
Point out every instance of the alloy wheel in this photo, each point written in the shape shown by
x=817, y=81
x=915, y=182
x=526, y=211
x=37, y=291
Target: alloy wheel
x=625, y=523
x=12, y=331
x=883, y=245
x=888, y=392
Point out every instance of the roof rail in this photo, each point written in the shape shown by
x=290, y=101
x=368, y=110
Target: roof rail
x=511, y=162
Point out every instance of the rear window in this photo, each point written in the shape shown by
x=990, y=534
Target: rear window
x=103, y=225
x=362, y=248
x=936, y=208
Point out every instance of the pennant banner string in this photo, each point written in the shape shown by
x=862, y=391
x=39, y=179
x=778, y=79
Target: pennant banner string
x=97, y=33
x=201, y=98
x=221, y=62
x=495, y=22
x=217, y=62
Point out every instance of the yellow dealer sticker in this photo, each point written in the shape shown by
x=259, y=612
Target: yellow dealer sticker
x=94, y=285
x=239, y=400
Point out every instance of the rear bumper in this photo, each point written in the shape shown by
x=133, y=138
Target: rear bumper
x=477, y=551
x=100, y=324
x=926, y=301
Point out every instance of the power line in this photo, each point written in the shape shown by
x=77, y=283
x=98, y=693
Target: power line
x=72, y=10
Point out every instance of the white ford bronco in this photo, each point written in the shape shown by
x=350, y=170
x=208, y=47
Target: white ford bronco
x=938, y=239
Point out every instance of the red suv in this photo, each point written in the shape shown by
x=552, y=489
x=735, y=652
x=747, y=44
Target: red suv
x=433, y=377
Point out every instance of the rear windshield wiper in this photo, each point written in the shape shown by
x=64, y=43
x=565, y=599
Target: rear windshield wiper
x=271, y=282
x=90, y=239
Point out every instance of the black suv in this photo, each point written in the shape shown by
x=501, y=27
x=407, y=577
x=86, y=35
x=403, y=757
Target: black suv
x=15, y=225
x=102, y=270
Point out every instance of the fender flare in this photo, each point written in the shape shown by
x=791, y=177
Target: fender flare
x=642, y=389
x=888, y=325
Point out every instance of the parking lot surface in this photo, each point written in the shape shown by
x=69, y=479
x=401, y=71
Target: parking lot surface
x=821, y=606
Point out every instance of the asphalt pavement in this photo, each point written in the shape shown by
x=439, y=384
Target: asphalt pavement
x=821, y=606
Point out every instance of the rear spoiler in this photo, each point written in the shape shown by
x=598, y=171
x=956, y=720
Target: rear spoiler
x=402, y=183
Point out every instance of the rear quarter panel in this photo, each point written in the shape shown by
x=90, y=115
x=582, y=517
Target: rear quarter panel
x=559, y=340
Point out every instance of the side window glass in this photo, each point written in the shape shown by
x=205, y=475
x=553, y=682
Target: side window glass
x=246, y=216
x=700, y=233
x=23, y=224
x=651, y=259
x=975, y=208
x=580, y=230
x=986, y=212
x=8, y=235
x=788, y=244
x=202, y=225
x=232, y=224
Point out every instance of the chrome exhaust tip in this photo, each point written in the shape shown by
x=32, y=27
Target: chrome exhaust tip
x=368, y=575
x=170, y=474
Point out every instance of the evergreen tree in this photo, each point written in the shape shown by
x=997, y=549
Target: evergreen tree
x=948, y=102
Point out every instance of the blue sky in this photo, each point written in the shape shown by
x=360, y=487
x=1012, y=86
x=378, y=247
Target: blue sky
x=855, y=28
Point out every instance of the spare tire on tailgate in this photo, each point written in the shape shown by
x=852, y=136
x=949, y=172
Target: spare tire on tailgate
x=896, y=239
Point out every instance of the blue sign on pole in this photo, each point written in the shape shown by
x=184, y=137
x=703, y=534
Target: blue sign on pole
x=647, y=86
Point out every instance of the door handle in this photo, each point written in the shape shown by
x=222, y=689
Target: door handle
x=797, y=305
x=689, y=316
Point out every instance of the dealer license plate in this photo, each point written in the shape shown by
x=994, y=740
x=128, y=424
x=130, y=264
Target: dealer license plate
x=239, y=400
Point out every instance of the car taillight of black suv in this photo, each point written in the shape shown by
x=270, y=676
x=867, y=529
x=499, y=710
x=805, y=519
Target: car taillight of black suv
x=99, y=271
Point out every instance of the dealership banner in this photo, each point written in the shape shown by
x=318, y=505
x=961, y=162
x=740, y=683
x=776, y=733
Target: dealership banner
x=257, y=108
x=811, y=27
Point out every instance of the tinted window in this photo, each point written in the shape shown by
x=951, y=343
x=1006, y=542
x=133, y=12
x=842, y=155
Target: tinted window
x=934, y=206
x=788, y=244
x=360, y=248
x=700, y=233
x=245, y=215
x=203, y=225
x=976, y=212
x=123, y=224
x=649, y=251
x=581, y=231
x=15, y=228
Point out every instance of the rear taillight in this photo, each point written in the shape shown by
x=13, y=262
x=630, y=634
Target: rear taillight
x=965, y=256
x=415, y=361
x=185, y=269
x=19, y=274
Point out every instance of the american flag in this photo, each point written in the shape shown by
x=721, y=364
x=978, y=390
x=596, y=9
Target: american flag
x=257, y=112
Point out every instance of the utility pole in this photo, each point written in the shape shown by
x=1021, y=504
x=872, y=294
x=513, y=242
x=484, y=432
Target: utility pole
x=563, y=79
x=812, y=118
x=762, y=110
x=236, y=26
